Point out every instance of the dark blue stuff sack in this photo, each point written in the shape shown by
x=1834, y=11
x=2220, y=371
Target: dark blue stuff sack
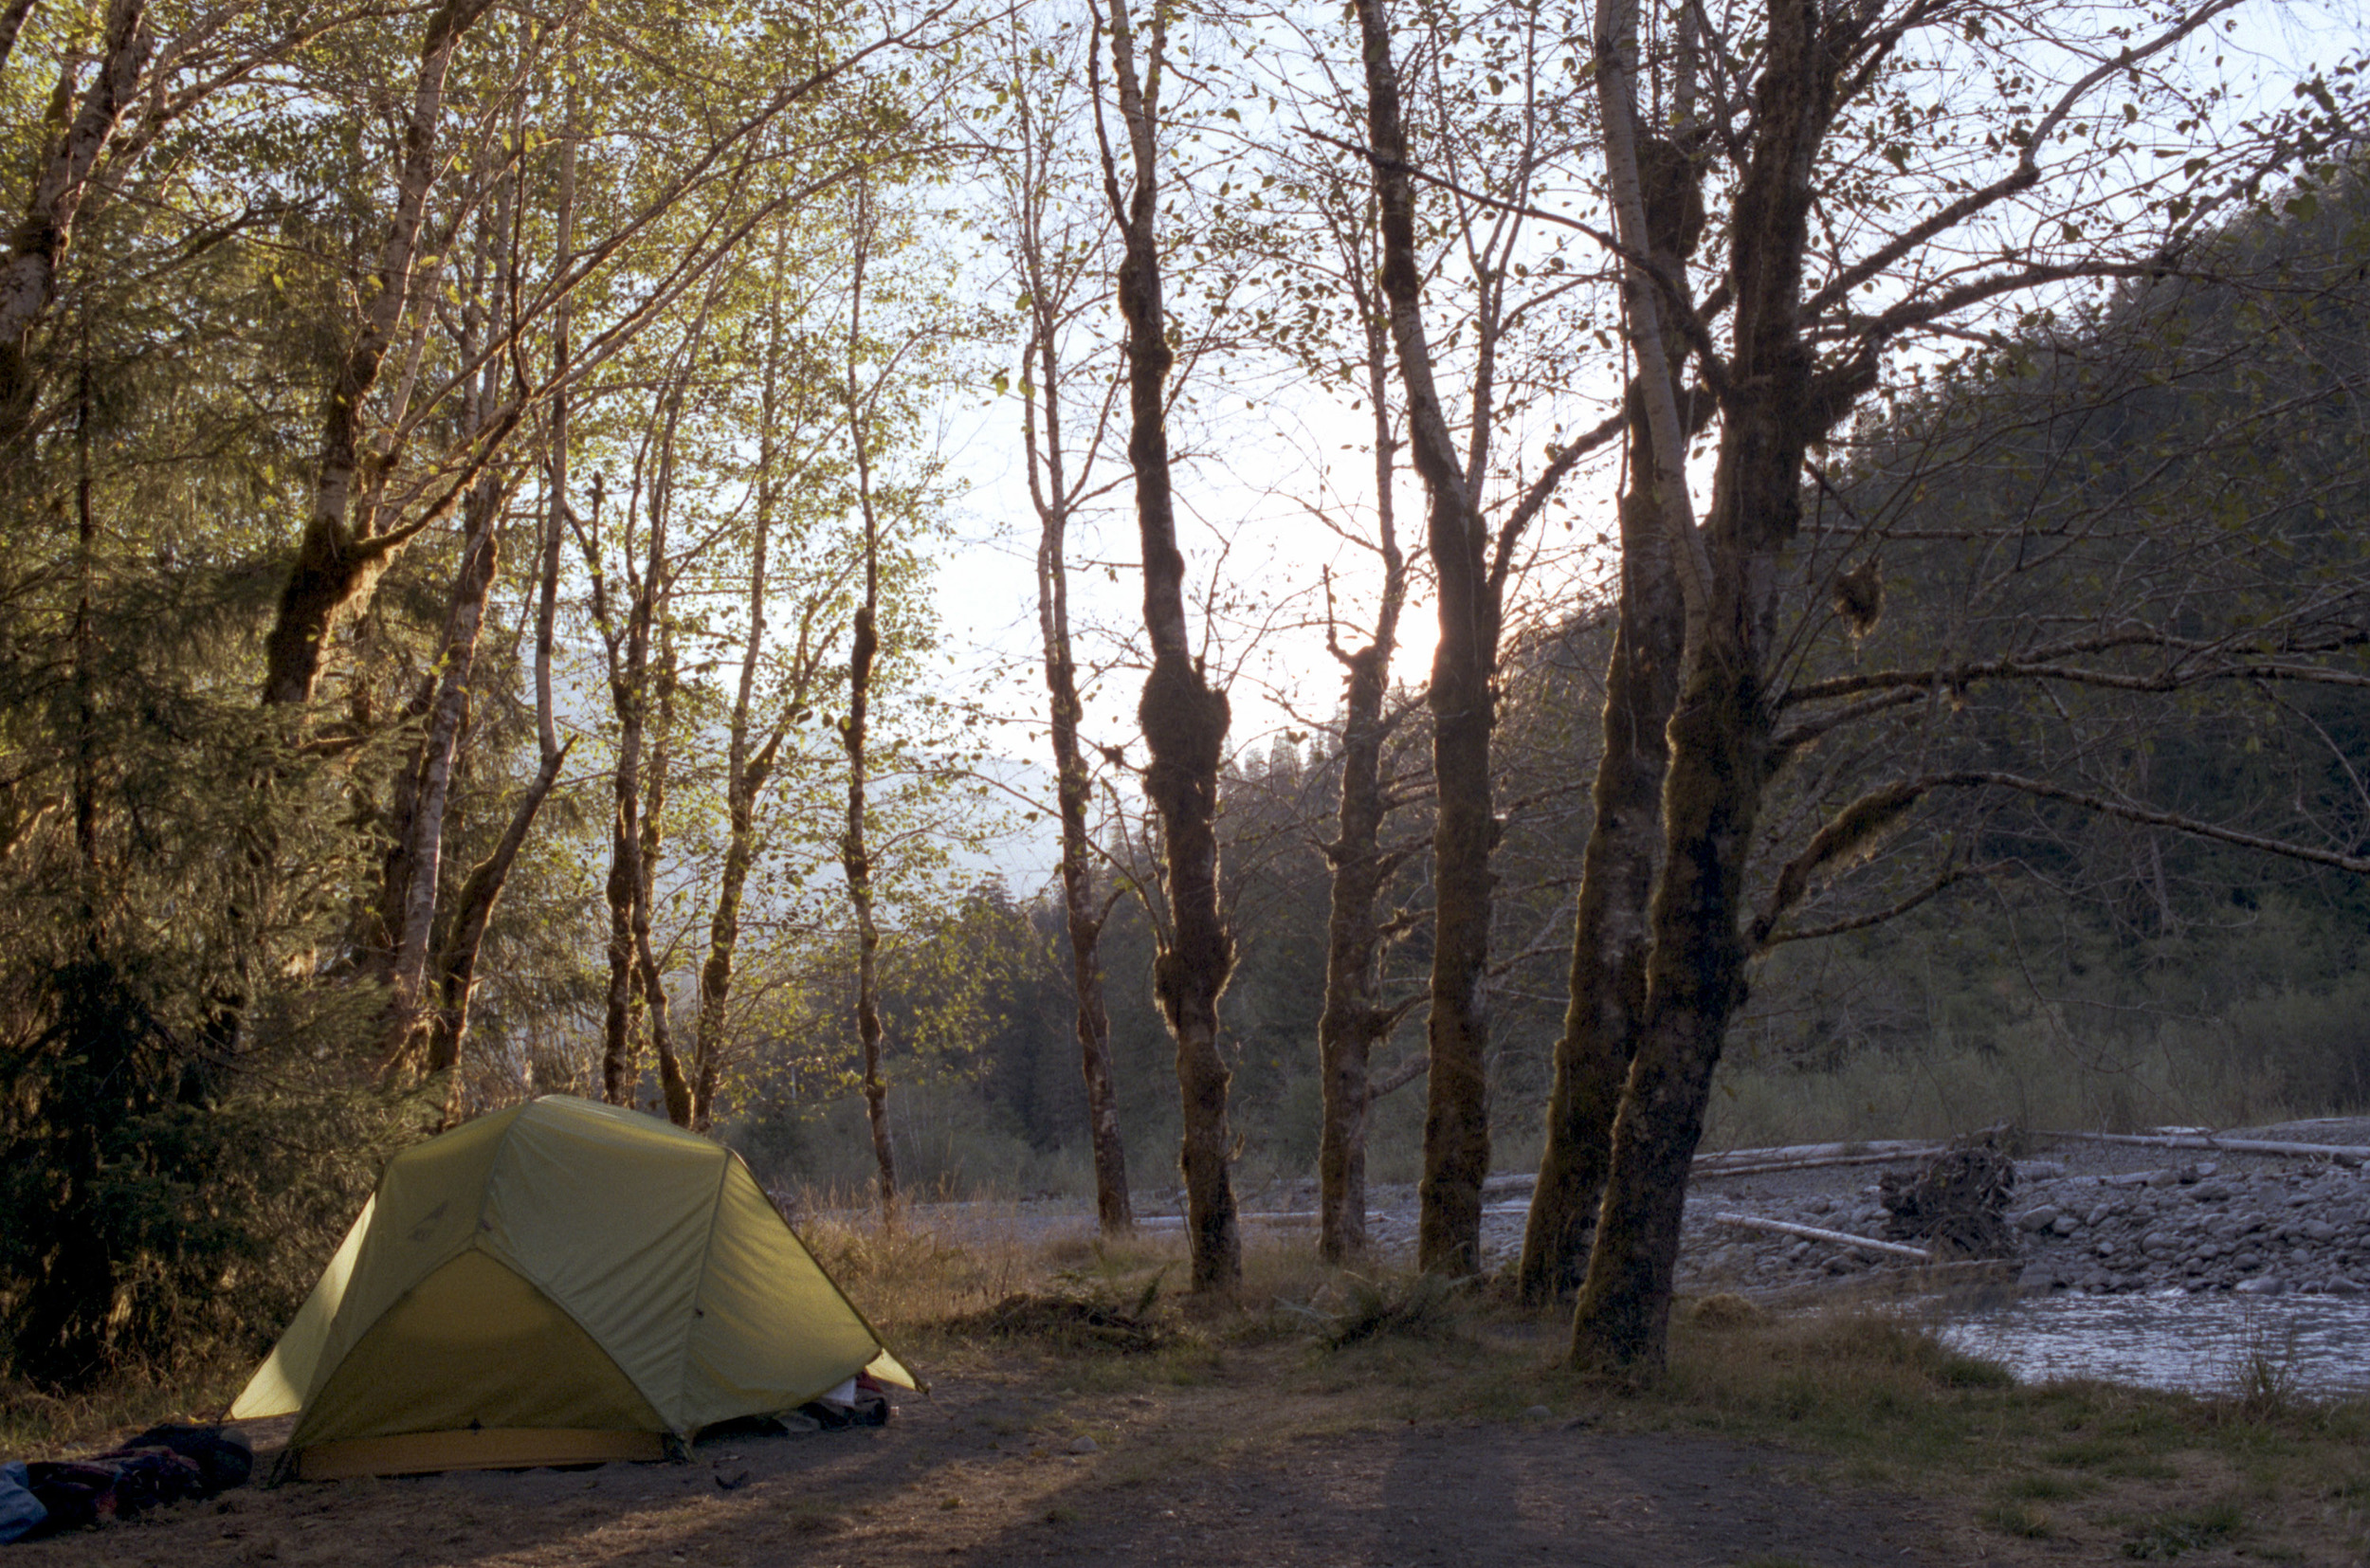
x=19, y=1510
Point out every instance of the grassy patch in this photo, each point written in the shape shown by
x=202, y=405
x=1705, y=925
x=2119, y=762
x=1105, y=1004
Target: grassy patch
x=2046, y=1489
x=1858, y=1385
x=1421, y=1309
x=2017, y=1518
x=2174, y=1534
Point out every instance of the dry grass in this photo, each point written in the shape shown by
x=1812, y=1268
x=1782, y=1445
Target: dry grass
x=2030, y=1079
x=34, y=1422
x=1867, y=1396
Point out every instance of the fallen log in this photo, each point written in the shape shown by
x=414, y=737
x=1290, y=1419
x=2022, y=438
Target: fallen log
x=1917, y=1151
x=1842, y=1238
x=1293, y=1217
x=2349, y=1153
x=1797, y=1156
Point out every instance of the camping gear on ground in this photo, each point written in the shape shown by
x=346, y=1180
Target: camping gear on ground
x=117, y=1485
x=19, y=1510
x=861, y=1401
x=167, y=1464
x=223, y=1458
x=559, y=1282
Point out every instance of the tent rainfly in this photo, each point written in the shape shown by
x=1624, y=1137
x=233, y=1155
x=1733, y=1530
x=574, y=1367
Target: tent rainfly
x=559, y=1282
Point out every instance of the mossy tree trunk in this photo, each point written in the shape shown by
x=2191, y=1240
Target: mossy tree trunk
x=1353, y=1022
x=1184, y=716
x=1719, y=759
x=1462, y=702
x=1610, y=928
x=1470, y=566
x=1795, y=363
x=345, y=546
x=1083, y=914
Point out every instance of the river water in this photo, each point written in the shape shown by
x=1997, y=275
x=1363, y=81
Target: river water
x=2317, y=1347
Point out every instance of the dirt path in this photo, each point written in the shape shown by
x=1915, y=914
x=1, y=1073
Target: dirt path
x=983, y=1472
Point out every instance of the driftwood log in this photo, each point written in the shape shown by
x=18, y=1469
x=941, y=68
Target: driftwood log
x=1811, y=1232
x=2344, y=1154
x=1785, y=1160
x=1797, y=1156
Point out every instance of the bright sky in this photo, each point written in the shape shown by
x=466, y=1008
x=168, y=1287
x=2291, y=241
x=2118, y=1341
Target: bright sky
x=1246, y=498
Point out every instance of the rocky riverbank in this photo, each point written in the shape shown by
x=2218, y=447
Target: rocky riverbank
x=2102, y=1218
x=2087, y=1217
x=2191, y=1227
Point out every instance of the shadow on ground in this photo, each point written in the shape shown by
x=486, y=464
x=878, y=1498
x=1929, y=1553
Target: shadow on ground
x=984, y=1473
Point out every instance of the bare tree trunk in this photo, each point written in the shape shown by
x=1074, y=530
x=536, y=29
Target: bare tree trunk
x=856, y=861
x=745, y=775
x=855, y=852
x=1456, y=1119
x=340, y=558
x=472, y=912
x=672, y=1082
x=413, y=882
x=1084, y=920
x=424, y=833
x=29, y=276
x=473, y=907
x=746, y=780
x=630, y=694
x=1184, y=717
x=620, y=1071
x=1052, y=489
x=636, y=833
x=1351, y=1024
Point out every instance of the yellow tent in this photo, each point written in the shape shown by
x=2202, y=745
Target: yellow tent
x=559, y=1283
